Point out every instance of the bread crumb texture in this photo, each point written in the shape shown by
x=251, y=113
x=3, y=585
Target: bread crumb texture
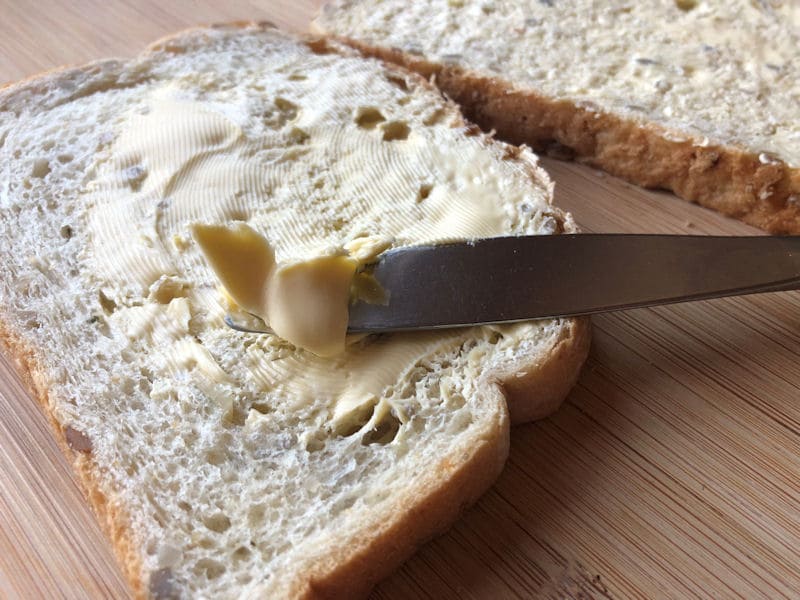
x=699, y=97
x=243, y=466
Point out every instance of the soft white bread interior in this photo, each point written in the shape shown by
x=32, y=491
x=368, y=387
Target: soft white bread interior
x=226, y=465
x=699, y=97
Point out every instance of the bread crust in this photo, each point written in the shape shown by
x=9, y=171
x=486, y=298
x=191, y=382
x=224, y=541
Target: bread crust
x=113, y=519
x=757, y=189
x=361, y=561
x=535, y=391
x=351, y=570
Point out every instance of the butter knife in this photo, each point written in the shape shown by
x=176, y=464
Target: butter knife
x=507, y=279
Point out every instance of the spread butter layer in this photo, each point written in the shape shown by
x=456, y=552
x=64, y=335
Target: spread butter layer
x=313, y=175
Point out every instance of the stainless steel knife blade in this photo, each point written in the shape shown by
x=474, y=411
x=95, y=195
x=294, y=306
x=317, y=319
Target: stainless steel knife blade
x=510, y=279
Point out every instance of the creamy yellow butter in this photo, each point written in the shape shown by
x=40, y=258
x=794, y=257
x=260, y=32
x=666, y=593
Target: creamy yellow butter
x=305, y=302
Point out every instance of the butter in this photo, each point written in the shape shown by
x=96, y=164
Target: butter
x=242, y=259
x=304, y=302
x=328, y=200
x=307, y=303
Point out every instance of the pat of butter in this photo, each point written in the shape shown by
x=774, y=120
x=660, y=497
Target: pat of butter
x=305, y=303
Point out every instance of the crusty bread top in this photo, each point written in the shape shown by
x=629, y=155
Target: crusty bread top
x=720, y=73
x=235, y=471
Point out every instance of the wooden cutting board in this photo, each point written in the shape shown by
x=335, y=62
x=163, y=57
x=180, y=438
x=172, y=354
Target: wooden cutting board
x=672, y=470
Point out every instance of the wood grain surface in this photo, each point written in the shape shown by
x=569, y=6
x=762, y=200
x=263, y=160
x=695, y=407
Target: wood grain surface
x=672, y=470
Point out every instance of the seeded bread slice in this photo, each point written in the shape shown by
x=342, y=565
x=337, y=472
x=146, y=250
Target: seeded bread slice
x=211, y=477
x=701, y=98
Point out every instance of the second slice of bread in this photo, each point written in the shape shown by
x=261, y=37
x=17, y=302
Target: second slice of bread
x=701, y=98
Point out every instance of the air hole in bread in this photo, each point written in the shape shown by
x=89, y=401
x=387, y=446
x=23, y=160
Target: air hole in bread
x=287, y=107
x=206, y=543
x=368, y=117
x=315, y=444
x=686, y=5
x=398, y=80
x=339, y=223
x=128, y=386
x=255, y=516
x=356, y=419
x=384, y=433
x=297, y=77
x=218, y=522
x=455, y=401
x=215, y=457
x=261, y=407
x=65, y=232
x=395, y=130
x=551, y=224
x=240, y=554
x=434, y=118
x=106, y=303
x=424, y=191
x=212, y=569
x=298, y=136
x=100, y=324
x=284, y=111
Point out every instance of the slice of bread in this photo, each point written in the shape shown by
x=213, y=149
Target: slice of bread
x=701, y=98
x=228, y=465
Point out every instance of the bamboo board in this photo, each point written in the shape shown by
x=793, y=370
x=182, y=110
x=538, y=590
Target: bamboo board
x=672, y=470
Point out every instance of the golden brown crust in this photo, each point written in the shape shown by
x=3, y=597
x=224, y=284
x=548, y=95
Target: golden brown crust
x=535, y=391
x=757, y=189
